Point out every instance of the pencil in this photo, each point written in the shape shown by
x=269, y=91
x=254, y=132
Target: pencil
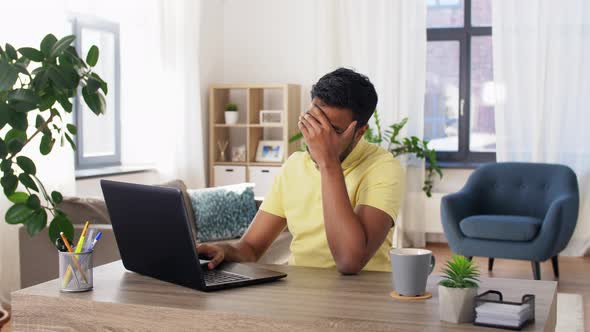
x=79, y=248
x=74, y=259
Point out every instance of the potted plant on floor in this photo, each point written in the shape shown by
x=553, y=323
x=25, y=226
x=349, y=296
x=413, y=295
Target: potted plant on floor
x=457, y=290
x=231, y=114
x=36, y=88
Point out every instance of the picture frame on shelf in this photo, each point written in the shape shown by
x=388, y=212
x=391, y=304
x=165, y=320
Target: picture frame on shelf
x=274, y=117
x=270, y=151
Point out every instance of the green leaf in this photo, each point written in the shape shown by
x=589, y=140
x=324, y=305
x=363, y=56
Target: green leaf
x=9, y=183
x=60, y=223
x=46, y=144
x=39, y=121
x=61, y=45
x=103, y=84
x=18, y=197
x=56, y=197
x=18, y=120
x=56, y=113
x=3, y=149
x=27, y=181
x=71, y=141
x=71, y=128
x=41, y=79
x=36, y=222
x=47, y=44
x=15, y=134
x=6, y=166
x=65, y=103
x=5, y=112
x=63, y=77
x=95, y=101
x=24, y=95
x=92, y=57
x=8, y=76
x=15, y=146
x=22, y=67
x=11, y=52
x=92, y=85
x=18, y=214
x=33, y=202
x=26, y=164
x=32, y=54
x=47, y=101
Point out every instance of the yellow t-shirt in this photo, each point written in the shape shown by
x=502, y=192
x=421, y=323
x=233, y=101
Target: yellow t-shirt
x=372, y=176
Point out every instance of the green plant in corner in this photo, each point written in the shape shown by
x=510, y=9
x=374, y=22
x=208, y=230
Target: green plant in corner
x=460, y=272
x=42, y=93
x=397, y=147
x=231, y=107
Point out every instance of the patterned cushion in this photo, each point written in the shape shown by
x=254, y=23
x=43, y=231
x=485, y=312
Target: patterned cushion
x=223, y=213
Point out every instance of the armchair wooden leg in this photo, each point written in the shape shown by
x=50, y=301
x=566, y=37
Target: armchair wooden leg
x=555, y=266
x=536, y=270
x=490, y=263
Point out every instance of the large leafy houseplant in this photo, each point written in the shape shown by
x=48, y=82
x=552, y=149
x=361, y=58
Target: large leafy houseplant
x=39, y=84
x=400, y=146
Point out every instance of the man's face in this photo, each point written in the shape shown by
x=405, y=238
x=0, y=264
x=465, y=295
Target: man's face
x=340, y=119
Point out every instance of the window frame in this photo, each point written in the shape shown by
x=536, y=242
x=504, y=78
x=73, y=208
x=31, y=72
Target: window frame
x=82, y=162
x=463, y=35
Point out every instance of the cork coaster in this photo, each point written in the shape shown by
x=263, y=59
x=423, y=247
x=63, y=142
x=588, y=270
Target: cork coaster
x=396, y=296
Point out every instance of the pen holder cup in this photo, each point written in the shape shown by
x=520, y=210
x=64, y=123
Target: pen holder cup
x=75, y=271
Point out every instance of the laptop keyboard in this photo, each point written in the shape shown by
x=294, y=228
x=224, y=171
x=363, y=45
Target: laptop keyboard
x=221, y=277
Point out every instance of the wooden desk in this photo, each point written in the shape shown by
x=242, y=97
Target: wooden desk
x=307, y=300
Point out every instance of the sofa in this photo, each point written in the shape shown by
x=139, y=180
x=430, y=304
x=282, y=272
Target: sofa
x=39, y=259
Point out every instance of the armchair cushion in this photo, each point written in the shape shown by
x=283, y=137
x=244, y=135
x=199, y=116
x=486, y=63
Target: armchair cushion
x=501, y=227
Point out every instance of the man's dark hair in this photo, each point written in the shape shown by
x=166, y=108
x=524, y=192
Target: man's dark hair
x=345, y=88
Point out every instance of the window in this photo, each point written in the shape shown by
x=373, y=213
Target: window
x=459, y=99
x=99, y=137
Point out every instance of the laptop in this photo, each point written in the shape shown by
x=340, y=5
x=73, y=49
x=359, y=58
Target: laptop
x=156, y=239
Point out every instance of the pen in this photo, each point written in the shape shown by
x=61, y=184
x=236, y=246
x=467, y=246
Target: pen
x=89, y=238
x=74, y=259
x=98, y=236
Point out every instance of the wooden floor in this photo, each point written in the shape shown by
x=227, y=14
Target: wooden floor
x=574, y=274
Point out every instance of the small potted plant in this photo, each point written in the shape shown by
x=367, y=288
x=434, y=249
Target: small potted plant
x=231, y=113
x=457, y=290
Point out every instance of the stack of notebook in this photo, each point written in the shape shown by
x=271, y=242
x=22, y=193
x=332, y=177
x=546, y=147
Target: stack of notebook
x=503, y=315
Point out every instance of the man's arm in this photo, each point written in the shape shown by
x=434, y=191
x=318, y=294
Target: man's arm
x=353, y=235
x=263, y=230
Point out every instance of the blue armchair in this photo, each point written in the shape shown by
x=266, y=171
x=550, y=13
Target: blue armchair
x=522, y=211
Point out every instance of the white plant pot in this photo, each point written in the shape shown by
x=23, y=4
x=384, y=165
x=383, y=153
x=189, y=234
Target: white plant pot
x=456, y=305
x=231, y=117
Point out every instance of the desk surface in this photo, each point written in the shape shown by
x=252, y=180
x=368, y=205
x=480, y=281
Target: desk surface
x=308, y=299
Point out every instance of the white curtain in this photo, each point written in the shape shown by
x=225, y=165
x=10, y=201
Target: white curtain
x=542, y=75
x=385, y=40
x=182, y=114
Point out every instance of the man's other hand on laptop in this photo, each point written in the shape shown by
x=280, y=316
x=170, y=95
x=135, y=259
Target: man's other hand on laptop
x=215, y=253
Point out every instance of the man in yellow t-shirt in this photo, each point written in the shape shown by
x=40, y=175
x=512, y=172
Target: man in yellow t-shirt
x=340, y=198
